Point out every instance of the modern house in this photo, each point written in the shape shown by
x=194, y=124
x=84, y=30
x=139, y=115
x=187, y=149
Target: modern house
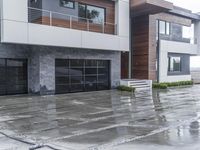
x=163, y=38
x=62, y=46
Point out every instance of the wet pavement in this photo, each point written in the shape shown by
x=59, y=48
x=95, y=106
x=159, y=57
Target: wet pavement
x=107, y=120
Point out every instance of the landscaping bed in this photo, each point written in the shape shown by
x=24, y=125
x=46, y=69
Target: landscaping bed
x=165, y=85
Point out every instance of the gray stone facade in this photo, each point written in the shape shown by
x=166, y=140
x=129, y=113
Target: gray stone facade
x=41, y=63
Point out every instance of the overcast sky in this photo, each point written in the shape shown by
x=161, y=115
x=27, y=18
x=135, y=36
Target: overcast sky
x=193, y=5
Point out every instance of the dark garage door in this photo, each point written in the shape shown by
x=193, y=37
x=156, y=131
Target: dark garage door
x=74, y=75
x=13, y=76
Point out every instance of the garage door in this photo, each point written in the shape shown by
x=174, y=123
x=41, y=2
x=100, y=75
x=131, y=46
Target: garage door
x=13, y=76
x=74, y=75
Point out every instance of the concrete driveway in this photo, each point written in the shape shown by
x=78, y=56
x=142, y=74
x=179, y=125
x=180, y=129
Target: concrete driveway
x=107, y=120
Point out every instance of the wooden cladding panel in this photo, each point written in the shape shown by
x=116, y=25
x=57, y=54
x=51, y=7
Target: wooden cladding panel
x=140, y=46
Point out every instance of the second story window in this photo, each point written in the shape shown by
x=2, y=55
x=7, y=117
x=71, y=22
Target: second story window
x=67, y=4
x=164, y=27
x=174, y=64
x=93, y=13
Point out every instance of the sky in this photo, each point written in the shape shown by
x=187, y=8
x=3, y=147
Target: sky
x=193, y=5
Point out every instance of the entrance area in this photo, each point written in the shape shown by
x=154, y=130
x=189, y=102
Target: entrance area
x=75, y=75
x=13, y=76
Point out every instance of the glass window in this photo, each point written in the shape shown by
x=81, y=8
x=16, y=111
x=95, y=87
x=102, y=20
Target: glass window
x=164, y=27
x=93, y=13
x=167, y=28
x=82, y=10
x=67, y=3
x=174, y=64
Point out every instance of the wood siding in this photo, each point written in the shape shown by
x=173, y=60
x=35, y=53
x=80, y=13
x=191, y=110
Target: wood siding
x=140, y=47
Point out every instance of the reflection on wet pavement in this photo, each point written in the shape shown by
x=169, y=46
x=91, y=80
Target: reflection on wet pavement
x=111, y=120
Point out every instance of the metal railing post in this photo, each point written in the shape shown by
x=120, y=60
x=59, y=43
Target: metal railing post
x=50, y=18
x=103, y=28
x=88, y=27
x=70, y=22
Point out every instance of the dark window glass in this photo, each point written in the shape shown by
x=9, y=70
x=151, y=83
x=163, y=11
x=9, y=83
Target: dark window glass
x=2, y=72
x=16, y=76
x=90, y=71
x=174, y=64
x=82, y=11
x=91, y=87
x=67, y=3
x=84, y=75
x=90, y=63
x=77, y=88
x=61, y=89
x=77, y=80
x=62, y=80
x=76, y=71
x=94, y=14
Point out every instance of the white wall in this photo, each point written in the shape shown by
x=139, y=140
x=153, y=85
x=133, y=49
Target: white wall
x=173, y=47
x=16, y=29
x=197, y=34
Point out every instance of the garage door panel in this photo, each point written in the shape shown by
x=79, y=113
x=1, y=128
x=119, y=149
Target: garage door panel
x=83, y=75
x=13, y=73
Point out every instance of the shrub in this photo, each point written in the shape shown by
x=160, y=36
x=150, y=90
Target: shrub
x=181, y=83
x=126, y=88
x=160, y=85
x=165, y=85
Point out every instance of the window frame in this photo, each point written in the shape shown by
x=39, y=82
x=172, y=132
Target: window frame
x=67, y=6
x=166, y=23
x=86, y=5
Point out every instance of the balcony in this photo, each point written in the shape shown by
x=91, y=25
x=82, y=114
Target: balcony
x=51, y=18
x=33, y=26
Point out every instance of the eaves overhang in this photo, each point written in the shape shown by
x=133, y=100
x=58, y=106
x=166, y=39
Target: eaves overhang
x=145, y=7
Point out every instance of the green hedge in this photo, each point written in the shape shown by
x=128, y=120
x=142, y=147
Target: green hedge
x=165, y=85
x=126, y=88
x=160, y=86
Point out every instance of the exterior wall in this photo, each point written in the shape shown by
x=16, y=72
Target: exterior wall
x=41, y=63
x=140, y=47
x=197, y=35
x=168, y=48
x=47, y=56
x=16, y=29
x=152, y=38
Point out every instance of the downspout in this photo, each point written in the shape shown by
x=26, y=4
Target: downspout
x=130, y=43
x=158, y=51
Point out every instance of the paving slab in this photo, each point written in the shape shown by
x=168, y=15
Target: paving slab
x=107, y=120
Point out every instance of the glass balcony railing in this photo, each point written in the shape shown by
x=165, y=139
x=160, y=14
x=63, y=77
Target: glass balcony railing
x=45, y=17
